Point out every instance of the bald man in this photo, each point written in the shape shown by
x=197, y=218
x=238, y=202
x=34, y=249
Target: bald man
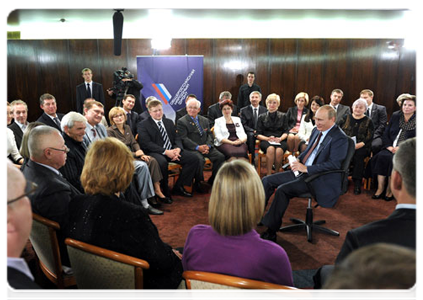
x=19, y=223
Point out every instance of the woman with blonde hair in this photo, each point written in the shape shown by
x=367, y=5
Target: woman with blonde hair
x=231, y=245
x=104, y=218
x=295, y=115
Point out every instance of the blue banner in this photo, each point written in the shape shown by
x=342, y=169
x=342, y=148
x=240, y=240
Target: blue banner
x=170, y=79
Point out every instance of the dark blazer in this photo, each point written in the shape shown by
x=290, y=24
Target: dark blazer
x=150, y=139
x=247, y=117
x=365, y=129
x=275, y=124
x=189, y=134
x=115, y=224
x=341, y=111
x=180, y=113
x=214, y=112
x=331, y=153
x=17, y=132
x=72, y=170
x=244, y=94
x=291, y=115
x=133, y=122
x=81, y=95
x=379, y=118
x=399, y=228
x=18, y=286
x=45, y=119
x=393, y=129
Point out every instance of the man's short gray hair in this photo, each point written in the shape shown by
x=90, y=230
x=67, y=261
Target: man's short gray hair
x=404, y=162
x=225, y=95
x=39, y=138
x=255, y=92
x=197, y=103
x=70, y=118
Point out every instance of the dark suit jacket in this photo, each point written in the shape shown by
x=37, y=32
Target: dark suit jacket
x=72, y=170
x=180, y=113
x=247, y=117
x=244, y=94
x=214, y=112
x=379, y=119
x=291, y=114
x=117, y=225
x=151, y=140
x=393, y=129
x=48, y=121
x=399, y=228
x=341, y=111
x=189, y=134
x=81, y=95
x=330, y=154
x=18, y=286
x=17, y=132
x=135, y=118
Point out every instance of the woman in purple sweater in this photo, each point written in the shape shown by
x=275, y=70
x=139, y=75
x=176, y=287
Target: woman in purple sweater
x=231, y=245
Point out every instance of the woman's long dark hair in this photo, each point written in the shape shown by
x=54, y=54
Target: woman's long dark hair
x=309, y=116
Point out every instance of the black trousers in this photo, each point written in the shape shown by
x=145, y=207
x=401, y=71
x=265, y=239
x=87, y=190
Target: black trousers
x=217, y=158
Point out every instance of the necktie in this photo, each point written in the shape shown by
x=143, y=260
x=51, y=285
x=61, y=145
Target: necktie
x=368, y=112
x=255, y=118
x=166, y=142
x=23, y=128
x=56, y=120
x=94, y=132
x=200, y=129
x=312, y=148
x=128, y=120
x=88, y=91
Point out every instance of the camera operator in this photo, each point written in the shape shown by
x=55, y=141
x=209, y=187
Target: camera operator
x=125, y=83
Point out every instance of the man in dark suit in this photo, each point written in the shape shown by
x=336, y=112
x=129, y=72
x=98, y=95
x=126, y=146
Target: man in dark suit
x=249, y=116
x=20, y=115
x=50, y=117
x=146, y=114
x=214, y=112
x=88, y=89
x=327, y=149
x=245, y=90
x=379, y=118
x=132, y=117
x=158, y=138
x=400, y=227
x=196, y=136
x=47, y=155
x=335, y=102
x=19, y=222
x=183, y=111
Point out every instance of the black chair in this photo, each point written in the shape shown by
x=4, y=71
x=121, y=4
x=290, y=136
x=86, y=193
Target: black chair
x=309, y=225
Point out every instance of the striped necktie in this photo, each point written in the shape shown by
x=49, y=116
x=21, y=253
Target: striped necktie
x=200, y=129
x=166, y=142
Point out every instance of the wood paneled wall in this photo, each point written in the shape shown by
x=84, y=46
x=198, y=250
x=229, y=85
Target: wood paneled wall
x=282, y=66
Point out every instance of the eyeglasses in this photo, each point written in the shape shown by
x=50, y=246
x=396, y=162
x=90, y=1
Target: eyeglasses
x=66, y=150
x=30, y=188
x=118, y=116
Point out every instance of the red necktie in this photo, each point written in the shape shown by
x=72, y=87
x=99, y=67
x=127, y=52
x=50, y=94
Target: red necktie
x=312, y=148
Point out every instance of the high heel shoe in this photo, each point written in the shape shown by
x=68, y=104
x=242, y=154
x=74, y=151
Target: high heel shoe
x=377, y=196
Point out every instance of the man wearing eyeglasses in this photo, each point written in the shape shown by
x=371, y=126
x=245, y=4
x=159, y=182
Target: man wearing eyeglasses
x=19, y=222
x=48, y=154
x=94, y=112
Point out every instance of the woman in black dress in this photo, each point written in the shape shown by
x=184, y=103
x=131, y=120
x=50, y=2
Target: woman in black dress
x=272, y=131
x=361, y=127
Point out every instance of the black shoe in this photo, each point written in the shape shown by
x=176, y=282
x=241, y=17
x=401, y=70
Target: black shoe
x=181, y=192
x=153, y=202
x=153, y=211
x=269, y=235
x=377, y=196
x=165, y=200
x=357, y=190
x=388, y=198
x=201, y=188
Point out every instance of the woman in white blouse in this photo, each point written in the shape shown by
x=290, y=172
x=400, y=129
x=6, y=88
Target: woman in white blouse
x=12, y=149
x=307, y=123
x=229, y=133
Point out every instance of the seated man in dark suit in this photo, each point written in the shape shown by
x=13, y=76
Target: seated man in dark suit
x=183, y=111
x=132, y=117
x=50, y=117
x=249, y=116
x=20, y=115
x=327, y=149
x=73, y=126
x=400, y=227
x=158, y=138
x=146, y=114
x=19, y=221
x=88, y=89
x=47, y=155
x=335, y=102
x=377, y=113
x=214, y=112
x=196, y=136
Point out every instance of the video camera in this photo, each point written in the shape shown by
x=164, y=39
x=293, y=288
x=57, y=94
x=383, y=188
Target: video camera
x=119, y=85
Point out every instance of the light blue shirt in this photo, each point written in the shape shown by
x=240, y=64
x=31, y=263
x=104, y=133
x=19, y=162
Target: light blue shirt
x=406, y=206
x=312, y=156
x=20, y=265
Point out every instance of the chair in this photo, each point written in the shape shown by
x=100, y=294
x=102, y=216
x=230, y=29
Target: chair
x=210, y=286
x=309, y=225
x=43, y=238
x=99, y=268
x=261, y=155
